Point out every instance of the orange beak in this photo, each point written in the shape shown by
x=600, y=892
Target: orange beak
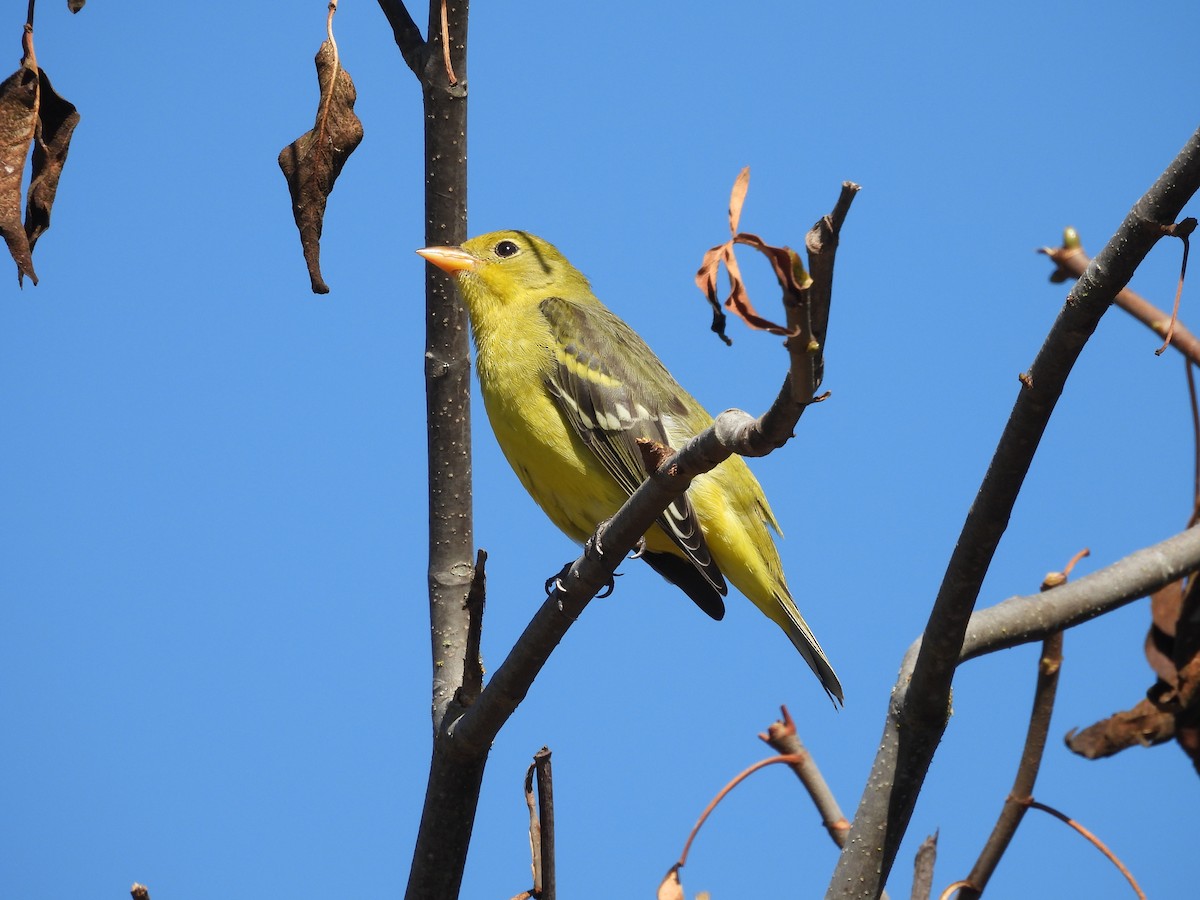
x=450, y=259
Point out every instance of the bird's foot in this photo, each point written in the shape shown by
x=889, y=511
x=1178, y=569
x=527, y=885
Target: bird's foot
x=555, y=583
x=596, y=541
x=638, y=549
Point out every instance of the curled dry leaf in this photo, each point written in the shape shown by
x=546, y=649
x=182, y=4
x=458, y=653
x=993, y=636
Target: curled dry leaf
x=314, y=160
x=737, y=199
x=706, y=280
x=18, y=119
x=1142, y=726
x=56, y=123
x=1165, y=605
x=786, y=262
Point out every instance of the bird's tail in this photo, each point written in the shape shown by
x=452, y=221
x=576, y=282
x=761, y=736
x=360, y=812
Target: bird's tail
x=801, y=635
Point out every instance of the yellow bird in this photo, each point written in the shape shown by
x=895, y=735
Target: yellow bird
x=570, y=389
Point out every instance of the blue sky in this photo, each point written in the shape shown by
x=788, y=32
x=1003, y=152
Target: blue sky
x=214, y=635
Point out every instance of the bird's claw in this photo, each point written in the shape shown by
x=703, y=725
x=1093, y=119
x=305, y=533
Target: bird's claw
x=608, y=588
x=638, y=549
x=555, y=583
x=596, y=541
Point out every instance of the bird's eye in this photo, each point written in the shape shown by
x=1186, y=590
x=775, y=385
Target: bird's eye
x=505, y=249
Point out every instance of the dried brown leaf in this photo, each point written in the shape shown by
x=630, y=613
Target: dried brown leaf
x=18, y=119
x=789, y=270
x=670, y=888
x=56, y=122
x=314, y=160
x=785, y=262
x=706, y=280
x=706, y=276
x=737, y=198
x=739, y=298
x=75, y=5
x=1165, y=605
x=1143, y=726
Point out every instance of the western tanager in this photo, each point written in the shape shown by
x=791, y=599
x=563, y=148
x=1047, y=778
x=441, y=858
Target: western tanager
x=570, y=388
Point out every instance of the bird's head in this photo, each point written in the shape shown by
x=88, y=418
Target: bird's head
x=497, y=270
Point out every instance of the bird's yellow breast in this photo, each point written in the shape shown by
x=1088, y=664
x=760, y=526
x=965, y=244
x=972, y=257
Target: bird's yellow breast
x=514, y=359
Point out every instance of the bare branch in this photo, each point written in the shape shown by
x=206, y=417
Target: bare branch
x=535, y=834
x=407, y=35
x=452, y=791
x=545, y=789
x=784, y=740
x=1021, y=620
x=1071, y=261
x=923, y=868
x=918, y=711
x=1049, y=665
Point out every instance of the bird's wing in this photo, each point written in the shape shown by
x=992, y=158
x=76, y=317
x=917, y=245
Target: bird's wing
x=600, y=397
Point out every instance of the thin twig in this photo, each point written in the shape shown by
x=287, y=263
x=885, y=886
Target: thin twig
x=1181, y=230
x=721, y=794
x=923, y=868
x=1095, y=841
x=1191, y=383
x=545, y=786
x=1049, y=664
x=446, y=46
x=1071, y=261
x=535, y=831
x=951, y=889
x=783, y=739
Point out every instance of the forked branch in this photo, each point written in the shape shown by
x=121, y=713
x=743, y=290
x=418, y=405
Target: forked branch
x=918, y=709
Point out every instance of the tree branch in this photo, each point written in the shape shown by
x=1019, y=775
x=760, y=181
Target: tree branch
x=407, y=35
x=1071, y=262
x=452, y=792
x=1034, y=617
x=1049, y=664
x=783, y=739
x=923, y=868
x=918, y=711
x=546, y=854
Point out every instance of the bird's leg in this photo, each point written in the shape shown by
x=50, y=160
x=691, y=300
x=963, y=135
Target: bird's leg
x=638, y=549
